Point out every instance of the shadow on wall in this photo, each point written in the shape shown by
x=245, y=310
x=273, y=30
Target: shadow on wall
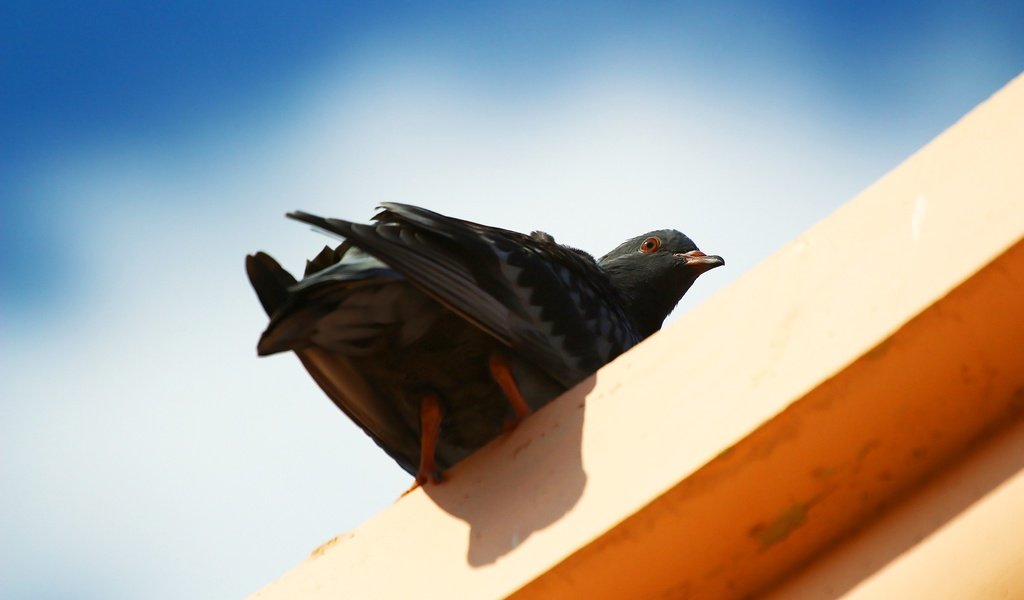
x=542, y=479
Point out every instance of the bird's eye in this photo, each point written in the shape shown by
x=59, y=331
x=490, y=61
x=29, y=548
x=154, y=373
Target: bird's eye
x=650, y=245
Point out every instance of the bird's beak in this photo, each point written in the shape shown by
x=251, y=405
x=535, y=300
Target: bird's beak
x=699, y=262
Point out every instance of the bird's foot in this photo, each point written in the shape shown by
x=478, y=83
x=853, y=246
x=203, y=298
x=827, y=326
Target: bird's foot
x=433, y=477
x=503, y=377
x=430, y=428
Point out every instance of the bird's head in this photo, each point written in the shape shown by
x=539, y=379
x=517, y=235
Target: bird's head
x=653, y=271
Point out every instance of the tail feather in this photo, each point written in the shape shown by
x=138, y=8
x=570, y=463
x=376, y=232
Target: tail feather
x=326, y=258
x=269, y=279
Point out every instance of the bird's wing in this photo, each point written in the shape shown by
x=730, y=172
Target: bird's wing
x=294, y=309
x=545, y=301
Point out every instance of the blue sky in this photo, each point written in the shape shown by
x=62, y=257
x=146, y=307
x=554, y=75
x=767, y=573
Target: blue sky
x=144, y=450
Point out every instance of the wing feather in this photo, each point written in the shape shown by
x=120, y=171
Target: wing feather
x=529, y=293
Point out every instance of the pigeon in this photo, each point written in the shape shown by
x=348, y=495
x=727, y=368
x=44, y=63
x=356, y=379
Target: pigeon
x=435, y=335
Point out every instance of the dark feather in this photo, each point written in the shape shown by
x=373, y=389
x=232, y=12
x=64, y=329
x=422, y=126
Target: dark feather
x=416, y=303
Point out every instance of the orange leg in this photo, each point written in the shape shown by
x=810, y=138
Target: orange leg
x=503, y=375
x=430, y=428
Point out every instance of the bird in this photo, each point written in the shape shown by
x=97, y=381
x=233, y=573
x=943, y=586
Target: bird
x=435, y=334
